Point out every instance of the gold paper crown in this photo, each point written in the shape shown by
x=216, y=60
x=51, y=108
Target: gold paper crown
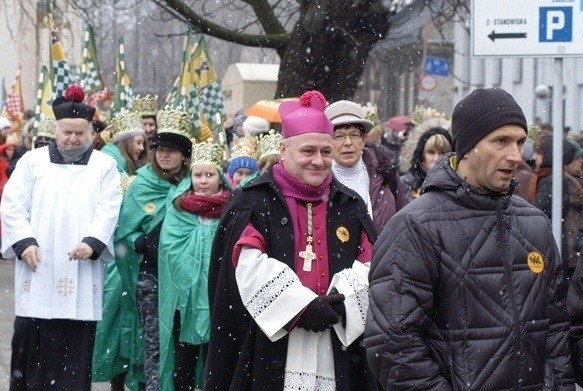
x=421, y=114
x=177, y=122
x=124, y=123
x=146, y=105
x=371, y=114
x=46, y=128
x=208, y=152
x=269, y=144
x=245, y=146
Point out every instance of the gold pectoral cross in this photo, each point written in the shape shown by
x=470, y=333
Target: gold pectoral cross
x=308, y=255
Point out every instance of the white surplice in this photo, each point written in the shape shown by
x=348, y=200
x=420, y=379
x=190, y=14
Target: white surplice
x=59, y=205
x=274, y=295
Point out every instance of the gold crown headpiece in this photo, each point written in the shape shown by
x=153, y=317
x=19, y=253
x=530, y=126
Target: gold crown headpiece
x=177, y=122
x=125, y=124
x=146, y=105
x=371, y=114
x=47, y=128
x=421, y=114
x=269, y=144
x=207, y=152
x=245, y=146
x=204, y=132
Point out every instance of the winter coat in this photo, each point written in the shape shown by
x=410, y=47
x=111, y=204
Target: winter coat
x=387, y=192
x=467, y=292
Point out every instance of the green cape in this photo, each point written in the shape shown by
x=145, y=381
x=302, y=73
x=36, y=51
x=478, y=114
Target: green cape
x=184, y=256
x=119, y=345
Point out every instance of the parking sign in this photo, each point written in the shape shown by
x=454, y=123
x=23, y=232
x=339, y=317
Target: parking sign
x=522, y=28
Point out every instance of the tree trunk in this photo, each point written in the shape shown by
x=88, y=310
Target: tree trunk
x=329, y=47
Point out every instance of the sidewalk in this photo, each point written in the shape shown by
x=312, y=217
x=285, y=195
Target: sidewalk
x=6, y=324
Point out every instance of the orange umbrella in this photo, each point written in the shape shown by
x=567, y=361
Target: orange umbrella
x=268, y=109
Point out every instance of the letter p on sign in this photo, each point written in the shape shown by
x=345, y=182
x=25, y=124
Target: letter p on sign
x=555, y=24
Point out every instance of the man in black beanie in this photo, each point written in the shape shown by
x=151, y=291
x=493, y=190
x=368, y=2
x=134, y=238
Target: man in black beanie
x=466, y=282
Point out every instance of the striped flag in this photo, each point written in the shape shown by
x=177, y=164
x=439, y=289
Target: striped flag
x=209, y=85
x=44, y=98
x=60, y=74
x=91, y=79
x=14, y=104
x=123, y=94
x=184, y=94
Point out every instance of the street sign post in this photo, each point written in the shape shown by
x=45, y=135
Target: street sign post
x=527, y=28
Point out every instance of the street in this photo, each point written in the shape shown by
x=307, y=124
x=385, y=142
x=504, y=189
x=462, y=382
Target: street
x=6, y=324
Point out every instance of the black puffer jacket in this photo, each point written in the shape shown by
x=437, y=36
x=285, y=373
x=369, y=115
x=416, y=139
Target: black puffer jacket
x=454, y=304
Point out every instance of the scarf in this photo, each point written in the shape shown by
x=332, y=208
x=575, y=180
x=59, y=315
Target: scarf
x=295, y=190
x=73, y=155
x=538, y=174
x=210, y=206
x=355, y=178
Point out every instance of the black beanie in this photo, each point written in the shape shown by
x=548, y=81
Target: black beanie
x=480, y=113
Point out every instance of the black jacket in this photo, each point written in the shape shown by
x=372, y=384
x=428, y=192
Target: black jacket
x=454, y=304
x=240, y=356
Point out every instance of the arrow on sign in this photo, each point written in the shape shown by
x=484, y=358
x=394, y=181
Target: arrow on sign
x=493, y=35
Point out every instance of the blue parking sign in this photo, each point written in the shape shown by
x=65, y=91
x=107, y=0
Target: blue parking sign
x=555, y=24
x=436, y=66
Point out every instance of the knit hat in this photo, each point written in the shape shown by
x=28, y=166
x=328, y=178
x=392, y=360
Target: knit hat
x=70, y=104
x=4, y=123
x=239, y=118
x=546, y=149
x=126, y=125
x=255, y=125
x=305, y=116
x=241, y=162
x=345, y=112
x=480, y=113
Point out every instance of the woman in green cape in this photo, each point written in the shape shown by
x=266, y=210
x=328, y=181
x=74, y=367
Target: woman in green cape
x=184, y=255
x=142, y=212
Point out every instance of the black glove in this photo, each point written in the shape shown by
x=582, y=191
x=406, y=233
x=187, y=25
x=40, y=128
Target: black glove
x=147, y=244
x=319, y=315
x=338, y=307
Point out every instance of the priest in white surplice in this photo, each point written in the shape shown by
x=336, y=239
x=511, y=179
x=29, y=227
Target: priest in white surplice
x=59, y=210
x=288, y=278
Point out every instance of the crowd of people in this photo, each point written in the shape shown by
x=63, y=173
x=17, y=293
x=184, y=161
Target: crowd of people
x=325, y=255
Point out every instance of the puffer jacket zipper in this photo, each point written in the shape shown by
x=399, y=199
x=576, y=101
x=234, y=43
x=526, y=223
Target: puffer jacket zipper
x=502, y=238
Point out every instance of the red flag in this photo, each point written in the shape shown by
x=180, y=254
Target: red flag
x=14, y=104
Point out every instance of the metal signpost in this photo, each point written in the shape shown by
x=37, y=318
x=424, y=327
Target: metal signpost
x=534, y=28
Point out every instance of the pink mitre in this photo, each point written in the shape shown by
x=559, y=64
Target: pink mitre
x=305, y=116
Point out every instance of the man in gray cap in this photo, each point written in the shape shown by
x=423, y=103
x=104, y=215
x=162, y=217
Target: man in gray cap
x=467, y=288
x=59, y=211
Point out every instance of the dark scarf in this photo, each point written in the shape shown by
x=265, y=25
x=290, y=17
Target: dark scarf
x=210, y=206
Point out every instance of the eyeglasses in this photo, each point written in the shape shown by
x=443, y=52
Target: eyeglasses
x=340, y=137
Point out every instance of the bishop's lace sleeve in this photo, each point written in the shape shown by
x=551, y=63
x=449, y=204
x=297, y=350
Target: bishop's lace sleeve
x=271, y=291
x=353, y=284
